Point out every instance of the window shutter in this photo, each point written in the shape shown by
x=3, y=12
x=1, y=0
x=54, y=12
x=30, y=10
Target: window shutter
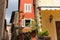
x=23, y=23
x=29, y=7
x=24, y=7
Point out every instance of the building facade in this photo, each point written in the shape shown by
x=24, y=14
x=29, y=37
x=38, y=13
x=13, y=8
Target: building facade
x=8, y=27
x=3, y=5
x=50, y=17
x=14, y=24
x=27, y=14
x=51, y=22
x=51, y=2
x=27, y=17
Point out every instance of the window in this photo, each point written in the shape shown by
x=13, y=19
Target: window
x=26, y=22
x=27, y=7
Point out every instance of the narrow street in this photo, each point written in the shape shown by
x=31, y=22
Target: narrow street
x=29, y=19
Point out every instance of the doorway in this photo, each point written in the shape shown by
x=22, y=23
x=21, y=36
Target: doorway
x=58, y=29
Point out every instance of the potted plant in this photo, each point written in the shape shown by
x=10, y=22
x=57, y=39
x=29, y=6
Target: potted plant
x=43, y=35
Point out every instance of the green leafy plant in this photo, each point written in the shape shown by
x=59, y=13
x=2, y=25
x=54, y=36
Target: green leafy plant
x=43, y=33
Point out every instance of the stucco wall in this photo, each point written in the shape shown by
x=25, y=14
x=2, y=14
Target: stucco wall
x=9, y=31
x=51, y=27
x=2, y=16
x=26, y=14
x=48, y=2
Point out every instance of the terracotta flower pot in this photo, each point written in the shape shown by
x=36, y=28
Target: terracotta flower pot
x=26, y=29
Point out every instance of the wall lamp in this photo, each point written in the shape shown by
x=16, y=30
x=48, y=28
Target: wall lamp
x=50, y=18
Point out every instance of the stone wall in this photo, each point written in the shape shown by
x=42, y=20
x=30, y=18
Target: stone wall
x=2, y=15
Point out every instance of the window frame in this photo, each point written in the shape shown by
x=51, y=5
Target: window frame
x=23, y=23
x=27, y=7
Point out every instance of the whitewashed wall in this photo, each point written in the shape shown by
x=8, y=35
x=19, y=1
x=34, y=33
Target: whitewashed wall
x=38, y=16
x=48, y=2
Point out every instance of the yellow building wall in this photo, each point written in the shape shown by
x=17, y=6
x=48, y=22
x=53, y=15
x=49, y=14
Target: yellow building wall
x=51, y=27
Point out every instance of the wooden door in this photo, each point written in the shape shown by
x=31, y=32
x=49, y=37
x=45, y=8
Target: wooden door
x=58, y=29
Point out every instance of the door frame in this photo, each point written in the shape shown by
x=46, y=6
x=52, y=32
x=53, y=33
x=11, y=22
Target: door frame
x=54, y=23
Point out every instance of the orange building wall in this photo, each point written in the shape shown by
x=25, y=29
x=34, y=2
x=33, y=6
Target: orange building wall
x=27, y=14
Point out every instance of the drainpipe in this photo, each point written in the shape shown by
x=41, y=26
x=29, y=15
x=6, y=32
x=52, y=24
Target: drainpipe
x=38, y=14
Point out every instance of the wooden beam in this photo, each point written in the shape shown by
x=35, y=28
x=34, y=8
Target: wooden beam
x=49, y=7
